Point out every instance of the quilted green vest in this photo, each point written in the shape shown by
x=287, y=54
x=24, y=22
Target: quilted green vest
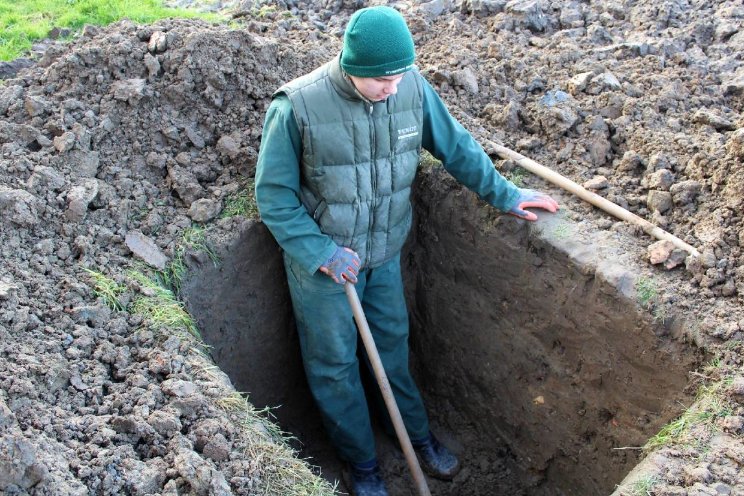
x=358, y=159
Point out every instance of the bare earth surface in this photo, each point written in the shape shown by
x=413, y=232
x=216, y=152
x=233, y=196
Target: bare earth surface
x=112, y=146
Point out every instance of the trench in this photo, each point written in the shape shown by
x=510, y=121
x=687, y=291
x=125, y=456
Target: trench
x=537, y=364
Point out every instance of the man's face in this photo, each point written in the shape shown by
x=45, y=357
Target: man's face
x=377, y=89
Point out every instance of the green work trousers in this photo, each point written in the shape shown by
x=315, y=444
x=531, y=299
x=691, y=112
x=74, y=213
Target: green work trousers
x=328, y=340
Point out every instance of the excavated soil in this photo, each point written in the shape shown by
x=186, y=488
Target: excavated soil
x=548, y=352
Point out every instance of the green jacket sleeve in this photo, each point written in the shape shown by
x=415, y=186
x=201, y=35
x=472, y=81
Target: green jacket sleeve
x=461, y=155
x=278, y=190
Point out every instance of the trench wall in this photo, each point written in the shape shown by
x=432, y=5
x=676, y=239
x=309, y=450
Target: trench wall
x=242, y=307
x=535, y=333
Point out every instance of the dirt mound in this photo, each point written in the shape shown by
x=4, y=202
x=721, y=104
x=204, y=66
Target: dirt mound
x=114, y=146
x=641, y=101
x=110, y=147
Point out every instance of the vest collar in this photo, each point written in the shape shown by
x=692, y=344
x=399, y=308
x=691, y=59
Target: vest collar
x=342, y=82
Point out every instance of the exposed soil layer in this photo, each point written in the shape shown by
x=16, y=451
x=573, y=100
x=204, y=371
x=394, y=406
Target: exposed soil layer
x=541, y=342
x=114, y=146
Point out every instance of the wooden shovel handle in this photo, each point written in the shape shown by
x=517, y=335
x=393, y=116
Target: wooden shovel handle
x=593, y=198
x=387, y=392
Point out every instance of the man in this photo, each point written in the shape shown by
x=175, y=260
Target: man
x=338, y=155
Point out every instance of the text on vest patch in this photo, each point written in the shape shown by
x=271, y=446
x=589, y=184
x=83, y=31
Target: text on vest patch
x=407, y=132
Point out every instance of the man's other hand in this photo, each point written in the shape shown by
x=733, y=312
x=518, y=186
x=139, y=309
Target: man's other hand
x=532, y=199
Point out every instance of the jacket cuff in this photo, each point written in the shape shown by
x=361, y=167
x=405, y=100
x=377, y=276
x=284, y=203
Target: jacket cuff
x=511, y=200
x=322, y=257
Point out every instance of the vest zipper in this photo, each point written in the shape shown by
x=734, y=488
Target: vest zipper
x=373, y=178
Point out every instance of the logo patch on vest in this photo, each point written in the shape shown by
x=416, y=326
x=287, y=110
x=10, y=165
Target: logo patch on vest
x=407, y=132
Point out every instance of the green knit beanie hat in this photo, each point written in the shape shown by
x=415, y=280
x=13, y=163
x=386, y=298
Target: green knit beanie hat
x=377, y=43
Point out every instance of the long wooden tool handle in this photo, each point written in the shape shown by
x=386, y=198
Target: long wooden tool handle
x=387, y=392
x=593, y=198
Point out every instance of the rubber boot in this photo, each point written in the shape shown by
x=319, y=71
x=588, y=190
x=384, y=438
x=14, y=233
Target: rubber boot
x=366, y=480
x=436, y=459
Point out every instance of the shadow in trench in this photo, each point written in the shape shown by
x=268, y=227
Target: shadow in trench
x=244, y=313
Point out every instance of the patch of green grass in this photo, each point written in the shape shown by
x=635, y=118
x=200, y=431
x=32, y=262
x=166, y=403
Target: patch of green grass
x=159, y=305
x=159, y=302
x=278, y=467
x=661, y=313
x=644, y=485
x=428, y=161
x=107, y=289
x=241, y=203
x=678, y=428
x=646, y=291
x=193, y=238
x=714, y=363
x=699, y=420
x=516, y=176
x=24, y=22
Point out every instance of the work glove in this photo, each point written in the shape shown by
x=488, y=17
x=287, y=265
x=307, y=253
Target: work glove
x=529, y=198
x=342, y=266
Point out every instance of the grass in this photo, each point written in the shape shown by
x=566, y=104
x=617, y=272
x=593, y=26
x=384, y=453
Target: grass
x=698, y=421
x=516, y=176
x=107, y=289
x=159, y=301
x=428, y=161
x=661, y=313
x=648, y=297
x=193, y=238
x=241, y=203
x=280, y=472
x=24, y=22
x=646, y=291
x=160, y=306
x=644, y=485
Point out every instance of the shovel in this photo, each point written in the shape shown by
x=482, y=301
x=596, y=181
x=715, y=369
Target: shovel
x=387, y=392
